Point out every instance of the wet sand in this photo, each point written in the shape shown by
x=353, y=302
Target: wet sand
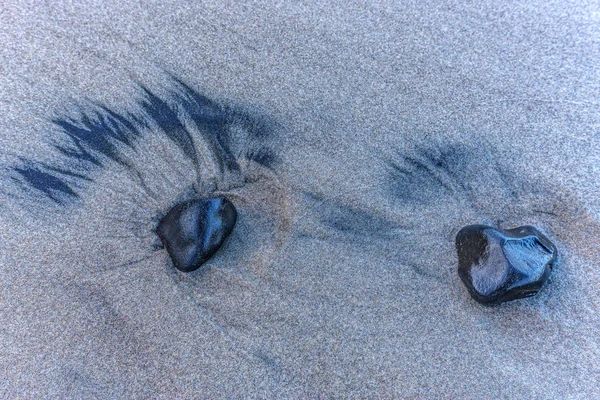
x=387, y=128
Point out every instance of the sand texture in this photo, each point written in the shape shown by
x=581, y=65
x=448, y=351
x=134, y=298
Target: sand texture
x=355, y=140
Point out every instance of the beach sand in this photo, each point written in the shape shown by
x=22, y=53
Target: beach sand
x=389, y=127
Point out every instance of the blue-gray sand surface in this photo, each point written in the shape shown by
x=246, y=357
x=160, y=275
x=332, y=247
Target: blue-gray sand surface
x=355, y=139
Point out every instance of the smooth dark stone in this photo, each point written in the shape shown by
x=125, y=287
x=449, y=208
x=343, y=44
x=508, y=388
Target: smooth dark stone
x=195, y=230
x=501, y=265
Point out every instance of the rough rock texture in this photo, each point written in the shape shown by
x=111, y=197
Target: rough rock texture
x=194, y=230
x=501, y=265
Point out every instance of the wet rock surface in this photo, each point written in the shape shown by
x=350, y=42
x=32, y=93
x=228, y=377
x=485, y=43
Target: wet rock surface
x=501, y=265
x=193, y=231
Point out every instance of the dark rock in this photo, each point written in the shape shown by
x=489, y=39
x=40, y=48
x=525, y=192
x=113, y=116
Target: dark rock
x=195, y=230
x=501, y=265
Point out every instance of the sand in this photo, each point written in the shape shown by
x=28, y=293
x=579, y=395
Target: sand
x=388, y=127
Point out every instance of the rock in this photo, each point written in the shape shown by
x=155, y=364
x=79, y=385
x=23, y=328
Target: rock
x=501, y=265
x=195, y=230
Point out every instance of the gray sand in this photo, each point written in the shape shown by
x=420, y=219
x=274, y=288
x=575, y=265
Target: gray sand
x=339, y=280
